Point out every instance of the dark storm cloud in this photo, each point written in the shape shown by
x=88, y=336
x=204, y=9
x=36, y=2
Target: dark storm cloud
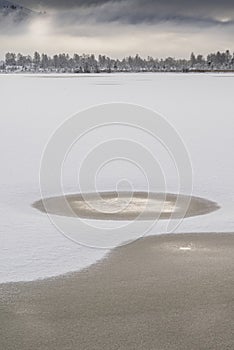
x=210, y=12
x=87, y=17
x=179, y=5
x=63, y=4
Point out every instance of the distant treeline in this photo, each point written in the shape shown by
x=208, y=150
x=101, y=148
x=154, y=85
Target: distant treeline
x=64, y=63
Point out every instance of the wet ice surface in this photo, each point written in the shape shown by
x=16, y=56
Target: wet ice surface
x=200, y=107
x=126, y=206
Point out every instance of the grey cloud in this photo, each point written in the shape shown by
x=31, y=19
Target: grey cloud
x=149, y=27
x=125, y=12
x=202, y=12
x=60, y=4
x=92, y=17
x=16, y=22
x=164, y=5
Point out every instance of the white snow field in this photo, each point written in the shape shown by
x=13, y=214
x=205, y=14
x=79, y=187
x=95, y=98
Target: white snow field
x=199, y=106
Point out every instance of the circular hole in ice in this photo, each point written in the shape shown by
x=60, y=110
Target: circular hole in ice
x=125, y=206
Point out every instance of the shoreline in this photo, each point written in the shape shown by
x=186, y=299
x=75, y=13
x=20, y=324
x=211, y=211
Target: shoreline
x=109, y=253
x=120, y=72
x=170, y=292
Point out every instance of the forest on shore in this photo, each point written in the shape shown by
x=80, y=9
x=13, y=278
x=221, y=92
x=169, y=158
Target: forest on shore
x=89, y=63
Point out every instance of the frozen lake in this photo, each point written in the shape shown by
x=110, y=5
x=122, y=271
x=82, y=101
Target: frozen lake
x=198, y=106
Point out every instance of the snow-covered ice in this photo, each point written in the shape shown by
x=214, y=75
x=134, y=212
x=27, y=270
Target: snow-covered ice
x=199, y=106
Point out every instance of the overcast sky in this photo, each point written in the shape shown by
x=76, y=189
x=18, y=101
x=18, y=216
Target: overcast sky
x=118, y=28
